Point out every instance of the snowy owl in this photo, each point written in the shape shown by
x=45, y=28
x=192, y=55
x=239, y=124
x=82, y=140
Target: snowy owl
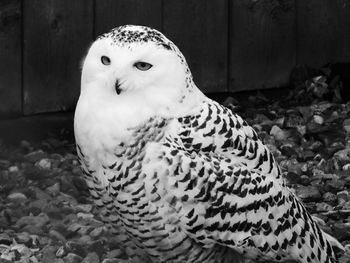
x=177, y=176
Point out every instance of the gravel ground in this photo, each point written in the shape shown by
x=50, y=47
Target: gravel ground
x=46, y=214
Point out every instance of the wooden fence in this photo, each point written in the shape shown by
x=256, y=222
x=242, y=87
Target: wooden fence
x=231, y=45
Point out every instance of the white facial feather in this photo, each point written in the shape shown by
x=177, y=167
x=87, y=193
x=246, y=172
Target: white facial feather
x=158, y=91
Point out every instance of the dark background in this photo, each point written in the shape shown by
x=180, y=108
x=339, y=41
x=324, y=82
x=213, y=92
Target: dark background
x=230, y=45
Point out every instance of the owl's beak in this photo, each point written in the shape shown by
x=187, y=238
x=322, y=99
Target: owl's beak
x=117, y=87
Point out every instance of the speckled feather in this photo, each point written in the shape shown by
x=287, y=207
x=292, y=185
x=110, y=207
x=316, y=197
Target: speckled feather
x=196, y=187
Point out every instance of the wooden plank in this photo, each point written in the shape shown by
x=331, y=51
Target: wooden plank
x=112, y=13
x=262, y=43
x=323, y=28
x=57, y=34
x=199, y=29
x=10, y=57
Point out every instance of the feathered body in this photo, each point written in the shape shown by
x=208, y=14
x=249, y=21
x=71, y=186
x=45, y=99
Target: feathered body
x=178, y=176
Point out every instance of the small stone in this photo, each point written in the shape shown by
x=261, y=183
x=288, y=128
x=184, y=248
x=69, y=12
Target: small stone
x=342, y=231
x=329, y=197
x=37, y=221
x=85, y=215
x=72, y=258
x=54, y=189
x=346, y=167
x=98, y=247
x=86, y=208
x=61, y=252
x=35, y=156
x=44, y=164
x=323, y=207
x=278, y=133
x=76, y=248
x=11, y=256
x=318, y=119
x=288, y=149
x=17, y=197
x=91, y=258
x=23, y=238
x=345, y=206
x=85, y=239
x=115, y=253
x=111, y=260
x=55, y=234
x=96, y=232
x=308, y=193
x=22, y=249
x=343, y=197
x=343, y=156
x=48, y=254
x=5, y=239
x=346, y=125
x=33, y=259
x=13, y=169
x=334, y=185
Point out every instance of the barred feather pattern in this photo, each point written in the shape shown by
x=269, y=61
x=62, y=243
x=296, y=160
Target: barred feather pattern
x=201, y=188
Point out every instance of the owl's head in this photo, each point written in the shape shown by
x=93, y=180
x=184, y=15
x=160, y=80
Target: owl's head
x=136, y=63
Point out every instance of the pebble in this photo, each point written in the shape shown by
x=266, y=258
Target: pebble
x=85, y=215
x=91, y=258
x=323, y=207
x=115, y=253
x=54, y=189
x=23, y=238
x=5, y=239
x=342, y=230
x=343, y=156
x=111, y=260
x=48, y=254
x=86, y=208
x=72, y=258
x=330, y=197
x=40, y=220
x=44, y=163
x=22, y=249
x=278, y=133
x=35, y=156
x=13, y=169
x=343, y=197
x=57, y=235
x=96, y=232
x=308, y=193
x=346, y=125
x=334, y=185
x=61, y=252
x=17, y=197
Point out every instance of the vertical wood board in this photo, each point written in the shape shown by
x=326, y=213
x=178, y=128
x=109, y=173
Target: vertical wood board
x=262, y=43
x=199, y=29
x=113, y=13
x=10, y=57
x=57, y=34
x=323, y=28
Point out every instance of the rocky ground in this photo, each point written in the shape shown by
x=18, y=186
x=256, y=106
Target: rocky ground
x=46, y=214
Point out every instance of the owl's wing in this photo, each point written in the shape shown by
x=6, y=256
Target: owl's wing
x=220, y=201
x=215, y=128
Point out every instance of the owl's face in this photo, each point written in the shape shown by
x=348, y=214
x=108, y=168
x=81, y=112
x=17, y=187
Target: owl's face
x=130, y=75
x=137, y=62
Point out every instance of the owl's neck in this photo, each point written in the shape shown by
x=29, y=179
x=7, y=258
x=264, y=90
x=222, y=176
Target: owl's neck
x=104, y=122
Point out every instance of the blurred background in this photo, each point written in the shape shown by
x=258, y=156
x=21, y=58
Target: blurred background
x=231, y=46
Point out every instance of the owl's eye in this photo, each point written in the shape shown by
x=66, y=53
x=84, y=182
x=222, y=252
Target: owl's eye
x=143, y=66
x=105, y=60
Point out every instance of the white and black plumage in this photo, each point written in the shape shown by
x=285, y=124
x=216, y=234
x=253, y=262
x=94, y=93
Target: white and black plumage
x=180, y=177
